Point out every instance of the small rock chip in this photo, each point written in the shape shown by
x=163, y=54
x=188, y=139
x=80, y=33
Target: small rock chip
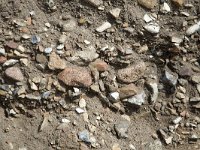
x=100, y=65
x=177, y=120
x=196, y=78
x=128, y=91
x=115, y=12
x=84, y=136
x=178, y=3
x=75, y=76
x=55, y=62
x=114, y=97
x=103, y=27
x=132, y=73
x=10, y=62
x=14, y=73
x=149, y=4
x=153, y=28
x=121, y=128
x=138, y=99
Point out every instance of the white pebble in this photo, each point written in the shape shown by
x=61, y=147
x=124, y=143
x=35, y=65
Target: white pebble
x=80, y=110
x=152, y=28
x=103, y=27
x=192, y=29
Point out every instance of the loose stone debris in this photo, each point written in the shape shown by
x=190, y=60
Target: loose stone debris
x=99, y=74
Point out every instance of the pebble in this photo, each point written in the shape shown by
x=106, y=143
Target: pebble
x=46, y=94
x=60, y=46
x=80, y=110
x=115, y=12
x=198, y=88
x=69, y=26
x=11, y=45
x=82, y=103
x=131, y=73
x=84, y=136
x=150, y=4
x=195, y=78
x=100, y=65
x=192, y=29
x=26, y=36
x=103, y=27
x=62, y=39
x=153, y=28
x=35, y=39
x=75, y=76
x=128, y=91
x=2, y=51
x=178, y=3
x=116, y=146
x=48, y=50
x=114, y=97
x=14, y=73
x=33, y=97
x=55, y=62
x=10, y=62
x=154, y=90
x=21, y=49
x=95, y=3
x=165, y=8
x=87, y=55
x=170, y=78
x=138, y=99
x=122, y=128
x=40, y=58
x=195, y=99
x=2, y=59
x=148, y=18
x=177, y=120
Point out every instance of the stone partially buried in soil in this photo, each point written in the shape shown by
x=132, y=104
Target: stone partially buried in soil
x=128, y=91
x=100, y=65
x=14, y=73
x=75, y=76
x=131, y=73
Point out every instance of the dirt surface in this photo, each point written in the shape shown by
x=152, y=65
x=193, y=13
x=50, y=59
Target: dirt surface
x=67, y=82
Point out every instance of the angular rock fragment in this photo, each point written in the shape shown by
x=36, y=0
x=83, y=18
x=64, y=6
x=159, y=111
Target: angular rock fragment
x=100, y=65
x=14, y=73
x=131, y=73
x=55, y=62
x=121, y=128
x=75, y=76
x=115, y=12
x=103, y=27
x=128, y=91
x=138, y=99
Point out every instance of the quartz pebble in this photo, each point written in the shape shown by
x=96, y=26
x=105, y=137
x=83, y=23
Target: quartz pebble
x=153, y=28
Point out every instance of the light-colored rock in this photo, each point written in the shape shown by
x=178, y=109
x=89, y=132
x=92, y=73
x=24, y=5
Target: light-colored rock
x=14, y=73
x=153, y=28
x=138, y=99
x=103, y=27
x=115, y=12
x=69, y=26
x=192, y=29
x=55, y=62
x=131, y=73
